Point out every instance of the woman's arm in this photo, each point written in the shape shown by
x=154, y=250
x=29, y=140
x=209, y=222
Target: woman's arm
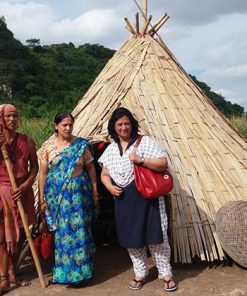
x=155, y=164
x=93, y=178
x=43, y=170
x=107, y=181
x=33, y=161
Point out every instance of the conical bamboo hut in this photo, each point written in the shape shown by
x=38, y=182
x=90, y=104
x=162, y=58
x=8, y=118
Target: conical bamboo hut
x=207, y=156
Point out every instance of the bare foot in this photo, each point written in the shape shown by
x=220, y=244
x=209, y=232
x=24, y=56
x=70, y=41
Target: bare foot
x=14, y=281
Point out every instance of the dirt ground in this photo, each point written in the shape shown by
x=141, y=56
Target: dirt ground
x=113, y=272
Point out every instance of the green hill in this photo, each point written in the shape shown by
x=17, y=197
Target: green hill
x=42, y=78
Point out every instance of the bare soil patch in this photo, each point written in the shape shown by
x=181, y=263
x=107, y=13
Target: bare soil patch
x=113, y=272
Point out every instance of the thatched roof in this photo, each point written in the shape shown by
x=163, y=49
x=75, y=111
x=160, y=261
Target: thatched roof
x=207, y=157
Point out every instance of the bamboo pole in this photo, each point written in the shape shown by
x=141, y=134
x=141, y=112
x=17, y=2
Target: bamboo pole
x=137, y=24
x=144, y=30
x=23, y=216
x=129, y=26
x=144, y=14
x=166, y=17
x=159, y=21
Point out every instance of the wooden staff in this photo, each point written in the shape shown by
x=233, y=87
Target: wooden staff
x=22, y=213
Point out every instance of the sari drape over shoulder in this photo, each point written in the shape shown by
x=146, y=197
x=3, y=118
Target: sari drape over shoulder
x=69, y=200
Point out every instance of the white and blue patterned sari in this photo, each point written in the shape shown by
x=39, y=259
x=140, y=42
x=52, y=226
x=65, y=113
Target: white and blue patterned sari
x=69, y=200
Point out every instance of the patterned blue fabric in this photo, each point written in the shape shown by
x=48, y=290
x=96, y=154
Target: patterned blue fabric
x=70, y=203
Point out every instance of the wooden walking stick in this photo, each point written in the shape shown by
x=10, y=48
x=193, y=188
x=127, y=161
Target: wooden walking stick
x=22, y=213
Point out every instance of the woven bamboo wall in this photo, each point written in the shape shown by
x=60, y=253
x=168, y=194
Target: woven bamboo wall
x=207, y=157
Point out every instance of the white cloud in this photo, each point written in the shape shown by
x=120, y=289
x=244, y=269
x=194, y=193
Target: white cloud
x=27, y=20
x=215, y=52
x=93, y=26
x=236, y=71
x=33, y=20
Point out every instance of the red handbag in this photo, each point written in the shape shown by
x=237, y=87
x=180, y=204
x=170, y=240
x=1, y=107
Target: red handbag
x=150, y=183
x=43, y=242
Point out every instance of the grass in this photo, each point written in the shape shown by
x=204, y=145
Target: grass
x=37, y=128
x=240, y=123
x=40, y=129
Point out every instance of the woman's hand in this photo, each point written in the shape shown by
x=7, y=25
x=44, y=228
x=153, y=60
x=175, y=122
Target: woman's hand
x=155, y=164
x=135, y=158
x=96, y=198
x=107, y=181
x=19, y=192
x=115, y=190
x=42, y=206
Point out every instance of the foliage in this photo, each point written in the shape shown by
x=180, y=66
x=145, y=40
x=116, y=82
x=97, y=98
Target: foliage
x=240, y=123
x=226, y=107
x=40, y=129
x=33, y=42
x=47, y=77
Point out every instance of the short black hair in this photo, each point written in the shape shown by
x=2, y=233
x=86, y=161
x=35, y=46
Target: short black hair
x=118, y=113
x=61, y=115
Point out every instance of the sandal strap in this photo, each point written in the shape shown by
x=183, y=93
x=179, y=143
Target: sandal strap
x=4, y=278
x=138, y=281
x=168, y=281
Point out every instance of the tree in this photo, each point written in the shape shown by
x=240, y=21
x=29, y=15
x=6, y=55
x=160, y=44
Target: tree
x=33, y=42
x=226, y=107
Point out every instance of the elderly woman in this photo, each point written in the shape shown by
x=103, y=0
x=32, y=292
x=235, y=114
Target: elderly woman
x=140, y=222
x=24, y=164
x=68, y=187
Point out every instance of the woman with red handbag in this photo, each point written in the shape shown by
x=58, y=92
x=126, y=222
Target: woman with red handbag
x=140, y=222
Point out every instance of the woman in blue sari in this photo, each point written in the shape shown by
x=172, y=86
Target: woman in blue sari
x=68, y=188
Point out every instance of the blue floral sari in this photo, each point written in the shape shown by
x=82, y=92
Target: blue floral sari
x=70, y=203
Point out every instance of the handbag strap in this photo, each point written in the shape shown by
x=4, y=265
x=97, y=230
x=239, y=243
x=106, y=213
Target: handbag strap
x=137, y=142
x=44, y=227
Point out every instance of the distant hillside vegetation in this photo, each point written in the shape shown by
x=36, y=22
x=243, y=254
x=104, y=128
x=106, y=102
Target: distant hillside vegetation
x=44, y=79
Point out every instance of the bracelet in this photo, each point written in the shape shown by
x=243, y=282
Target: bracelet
x=142, y=160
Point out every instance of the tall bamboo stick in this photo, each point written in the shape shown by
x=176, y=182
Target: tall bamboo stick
x=129, y=26
x=144, y=14
x=159, y=25
x=154, y=27
x=144, y=30
x=137, y=24
x=22, y=214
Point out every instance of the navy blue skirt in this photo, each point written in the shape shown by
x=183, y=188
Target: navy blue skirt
x=138, y=221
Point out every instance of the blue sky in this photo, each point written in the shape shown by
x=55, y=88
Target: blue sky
x=209, y=38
